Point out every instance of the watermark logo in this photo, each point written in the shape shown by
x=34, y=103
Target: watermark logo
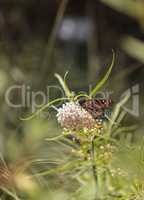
x=34, y=100
x=134, y=94
x=29, y=98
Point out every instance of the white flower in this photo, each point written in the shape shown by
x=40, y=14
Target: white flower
x=73, y=117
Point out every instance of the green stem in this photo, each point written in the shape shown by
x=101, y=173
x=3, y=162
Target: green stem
x=94, y=168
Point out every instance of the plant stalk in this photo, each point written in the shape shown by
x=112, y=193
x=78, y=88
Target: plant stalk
x=94, y=168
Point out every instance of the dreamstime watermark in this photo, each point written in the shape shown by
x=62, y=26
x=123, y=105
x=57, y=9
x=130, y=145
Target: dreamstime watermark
x=33, y=100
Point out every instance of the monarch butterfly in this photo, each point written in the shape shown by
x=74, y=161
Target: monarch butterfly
x=98, y=108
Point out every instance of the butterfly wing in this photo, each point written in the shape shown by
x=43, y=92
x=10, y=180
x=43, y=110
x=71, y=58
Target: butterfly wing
x=96, y=107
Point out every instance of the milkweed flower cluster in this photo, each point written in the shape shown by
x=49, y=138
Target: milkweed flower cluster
x=72, y=116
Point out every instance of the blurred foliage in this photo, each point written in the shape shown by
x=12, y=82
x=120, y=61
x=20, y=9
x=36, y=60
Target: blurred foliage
x=32, y=164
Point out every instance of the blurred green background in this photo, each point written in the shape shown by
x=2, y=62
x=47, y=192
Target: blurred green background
x=39, y=38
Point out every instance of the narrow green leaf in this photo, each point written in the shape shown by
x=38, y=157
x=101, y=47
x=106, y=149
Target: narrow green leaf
x=11, y=194
x=64, y=85
x=54, y=138
x=69, y=166
x=104, y=79
x=81, y=95
x=65, y=76
x=117, y=111
x=42, y=109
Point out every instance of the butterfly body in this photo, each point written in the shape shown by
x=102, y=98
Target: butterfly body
x=96, y=107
